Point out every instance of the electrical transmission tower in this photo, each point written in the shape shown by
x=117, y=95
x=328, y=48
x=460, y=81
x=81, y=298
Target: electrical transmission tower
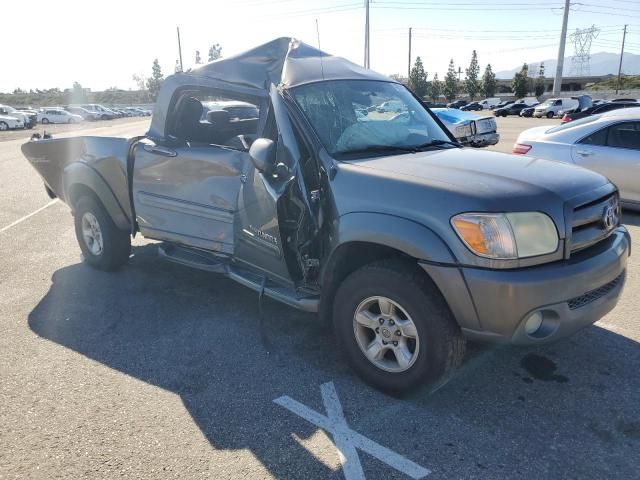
x=582, y=38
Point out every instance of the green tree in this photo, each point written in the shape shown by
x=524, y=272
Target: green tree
x=451, y=82
x=489, y=84
x=198, y=59
x=215, y=52
x=435, y=88
x=418, y=79
x=472, y=83
x=77, y=94
x=155, y=81
x=519, y=84
x=539, y=85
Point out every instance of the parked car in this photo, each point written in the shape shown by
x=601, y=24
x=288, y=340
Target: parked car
x=390, y=106
x=502, y=104
x=10, y=123
x=239, y=110
x=404, y=241
x=103, y=112
x=489, y=103
x=527, y=111
x=468, y=128
x=27, y=117
x=607, y=143
x=434, y=104
x=471, y=107
x=457, y=104
x=511, y=109
x=597, y=109
x=624, y=100
x=599, y=101
x=83, y=112
x=550, y=108
x=528, y=101
x=57, y=115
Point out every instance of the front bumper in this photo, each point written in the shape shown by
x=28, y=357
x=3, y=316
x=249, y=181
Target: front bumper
x=494, y=305
x=485, y=139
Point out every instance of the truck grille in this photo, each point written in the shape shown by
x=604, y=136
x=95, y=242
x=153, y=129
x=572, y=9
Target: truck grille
x=594, y=221
x=594, y=295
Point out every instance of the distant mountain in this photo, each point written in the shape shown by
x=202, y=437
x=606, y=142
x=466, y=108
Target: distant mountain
x=602, y=63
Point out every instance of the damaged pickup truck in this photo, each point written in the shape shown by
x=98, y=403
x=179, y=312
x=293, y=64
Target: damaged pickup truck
x=383, y=224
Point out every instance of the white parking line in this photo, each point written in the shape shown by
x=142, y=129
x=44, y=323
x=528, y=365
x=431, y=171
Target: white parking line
x=347, y=440
x=20, y=220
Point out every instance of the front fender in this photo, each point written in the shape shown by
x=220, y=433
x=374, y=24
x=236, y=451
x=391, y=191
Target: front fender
x=399, y=233
x=78, y=177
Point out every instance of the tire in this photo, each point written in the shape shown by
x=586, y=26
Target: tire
x=416, y=298
x=116, y=244
x=550, y=115
x=44, y=121
x=4, y=126
x=70, y=121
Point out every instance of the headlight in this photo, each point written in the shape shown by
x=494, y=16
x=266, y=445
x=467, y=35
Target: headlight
x=463, y=131
x=507, y=235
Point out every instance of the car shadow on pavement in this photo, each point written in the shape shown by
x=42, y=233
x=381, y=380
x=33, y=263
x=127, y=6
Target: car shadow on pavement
x=197, y=334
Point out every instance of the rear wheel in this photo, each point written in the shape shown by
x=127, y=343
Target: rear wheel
x=550, y=114
x=395, y=328
x=45, y=121
x=3, y=126
x=104, y=246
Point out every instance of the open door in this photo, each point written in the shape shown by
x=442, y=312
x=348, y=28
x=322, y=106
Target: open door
x=274, y=211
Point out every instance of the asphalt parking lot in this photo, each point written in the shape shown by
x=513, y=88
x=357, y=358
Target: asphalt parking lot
x=158, y=371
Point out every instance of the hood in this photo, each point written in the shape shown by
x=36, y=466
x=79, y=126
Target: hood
x=9, y=118
x=488, y=174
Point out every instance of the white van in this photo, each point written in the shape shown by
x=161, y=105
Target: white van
x=529, y=101
x=487, y=103
x=550, y=108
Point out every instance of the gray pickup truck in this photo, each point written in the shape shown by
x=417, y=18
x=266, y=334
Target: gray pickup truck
x=383, y=224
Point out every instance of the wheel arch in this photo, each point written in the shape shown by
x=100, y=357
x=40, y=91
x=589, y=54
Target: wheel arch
x=80, y=179
x=367, y=237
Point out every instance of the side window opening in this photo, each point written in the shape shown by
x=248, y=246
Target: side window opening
x=596, y=138
x=215, y=118
x=624, y=135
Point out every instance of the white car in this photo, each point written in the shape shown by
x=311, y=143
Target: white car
x=57, y=115
x=488, y=103
x=608, y=143
x=469, y=128
x=28, y=118
x=10, y=123
x=551, y=107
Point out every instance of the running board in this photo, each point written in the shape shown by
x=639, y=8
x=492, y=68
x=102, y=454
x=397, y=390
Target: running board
x=210, y=262
x=192, y=258
x=277, y=292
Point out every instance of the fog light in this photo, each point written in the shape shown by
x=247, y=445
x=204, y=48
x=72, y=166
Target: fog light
x=533, y=323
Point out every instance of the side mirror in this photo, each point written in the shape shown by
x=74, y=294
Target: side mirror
x=263, y=154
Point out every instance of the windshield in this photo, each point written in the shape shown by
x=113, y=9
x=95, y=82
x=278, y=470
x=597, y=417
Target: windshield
x=367, y=117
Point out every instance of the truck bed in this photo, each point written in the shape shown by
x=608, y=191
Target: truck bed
x=66, y=164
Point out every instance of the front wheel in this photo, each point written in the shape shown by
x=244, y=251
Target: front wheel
x=104, y=246
x=45, y=121
x=4, y=126
x=550, y=115
x=395, y=328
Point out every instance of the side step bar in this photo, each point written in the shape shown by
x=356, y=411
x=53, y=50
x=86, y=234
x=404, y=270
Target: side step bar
x=201, y=260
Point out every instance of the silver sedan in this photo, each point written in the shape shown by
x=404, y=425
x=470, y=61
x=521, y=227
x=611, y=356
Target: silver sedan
x=608, y=143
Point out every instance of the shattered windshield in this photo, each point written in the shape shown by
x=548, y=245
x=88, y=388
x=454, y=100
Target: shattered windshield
x=367, y=118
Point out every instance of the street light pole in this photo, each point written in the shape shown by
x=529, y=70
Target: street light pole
x=557, y=80
x=624, y=36
x=366, y=35
x=409, y=69
x=180, y=49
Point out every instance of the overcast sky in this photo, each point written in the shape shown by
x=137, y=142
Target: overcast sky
x=103, y=43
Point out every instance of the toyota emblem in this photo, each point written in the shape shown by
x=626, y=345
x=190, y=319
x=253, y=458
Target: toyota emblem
x=610, y=217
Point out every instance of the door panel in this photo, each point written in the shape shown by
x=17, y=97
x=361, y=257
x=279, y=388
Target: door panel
x=258, y=235
x=188, y=195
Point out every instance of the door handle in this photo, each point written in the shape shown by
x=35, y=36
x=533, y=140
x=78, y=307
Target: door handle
x=584, y=153
x=162, y=151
